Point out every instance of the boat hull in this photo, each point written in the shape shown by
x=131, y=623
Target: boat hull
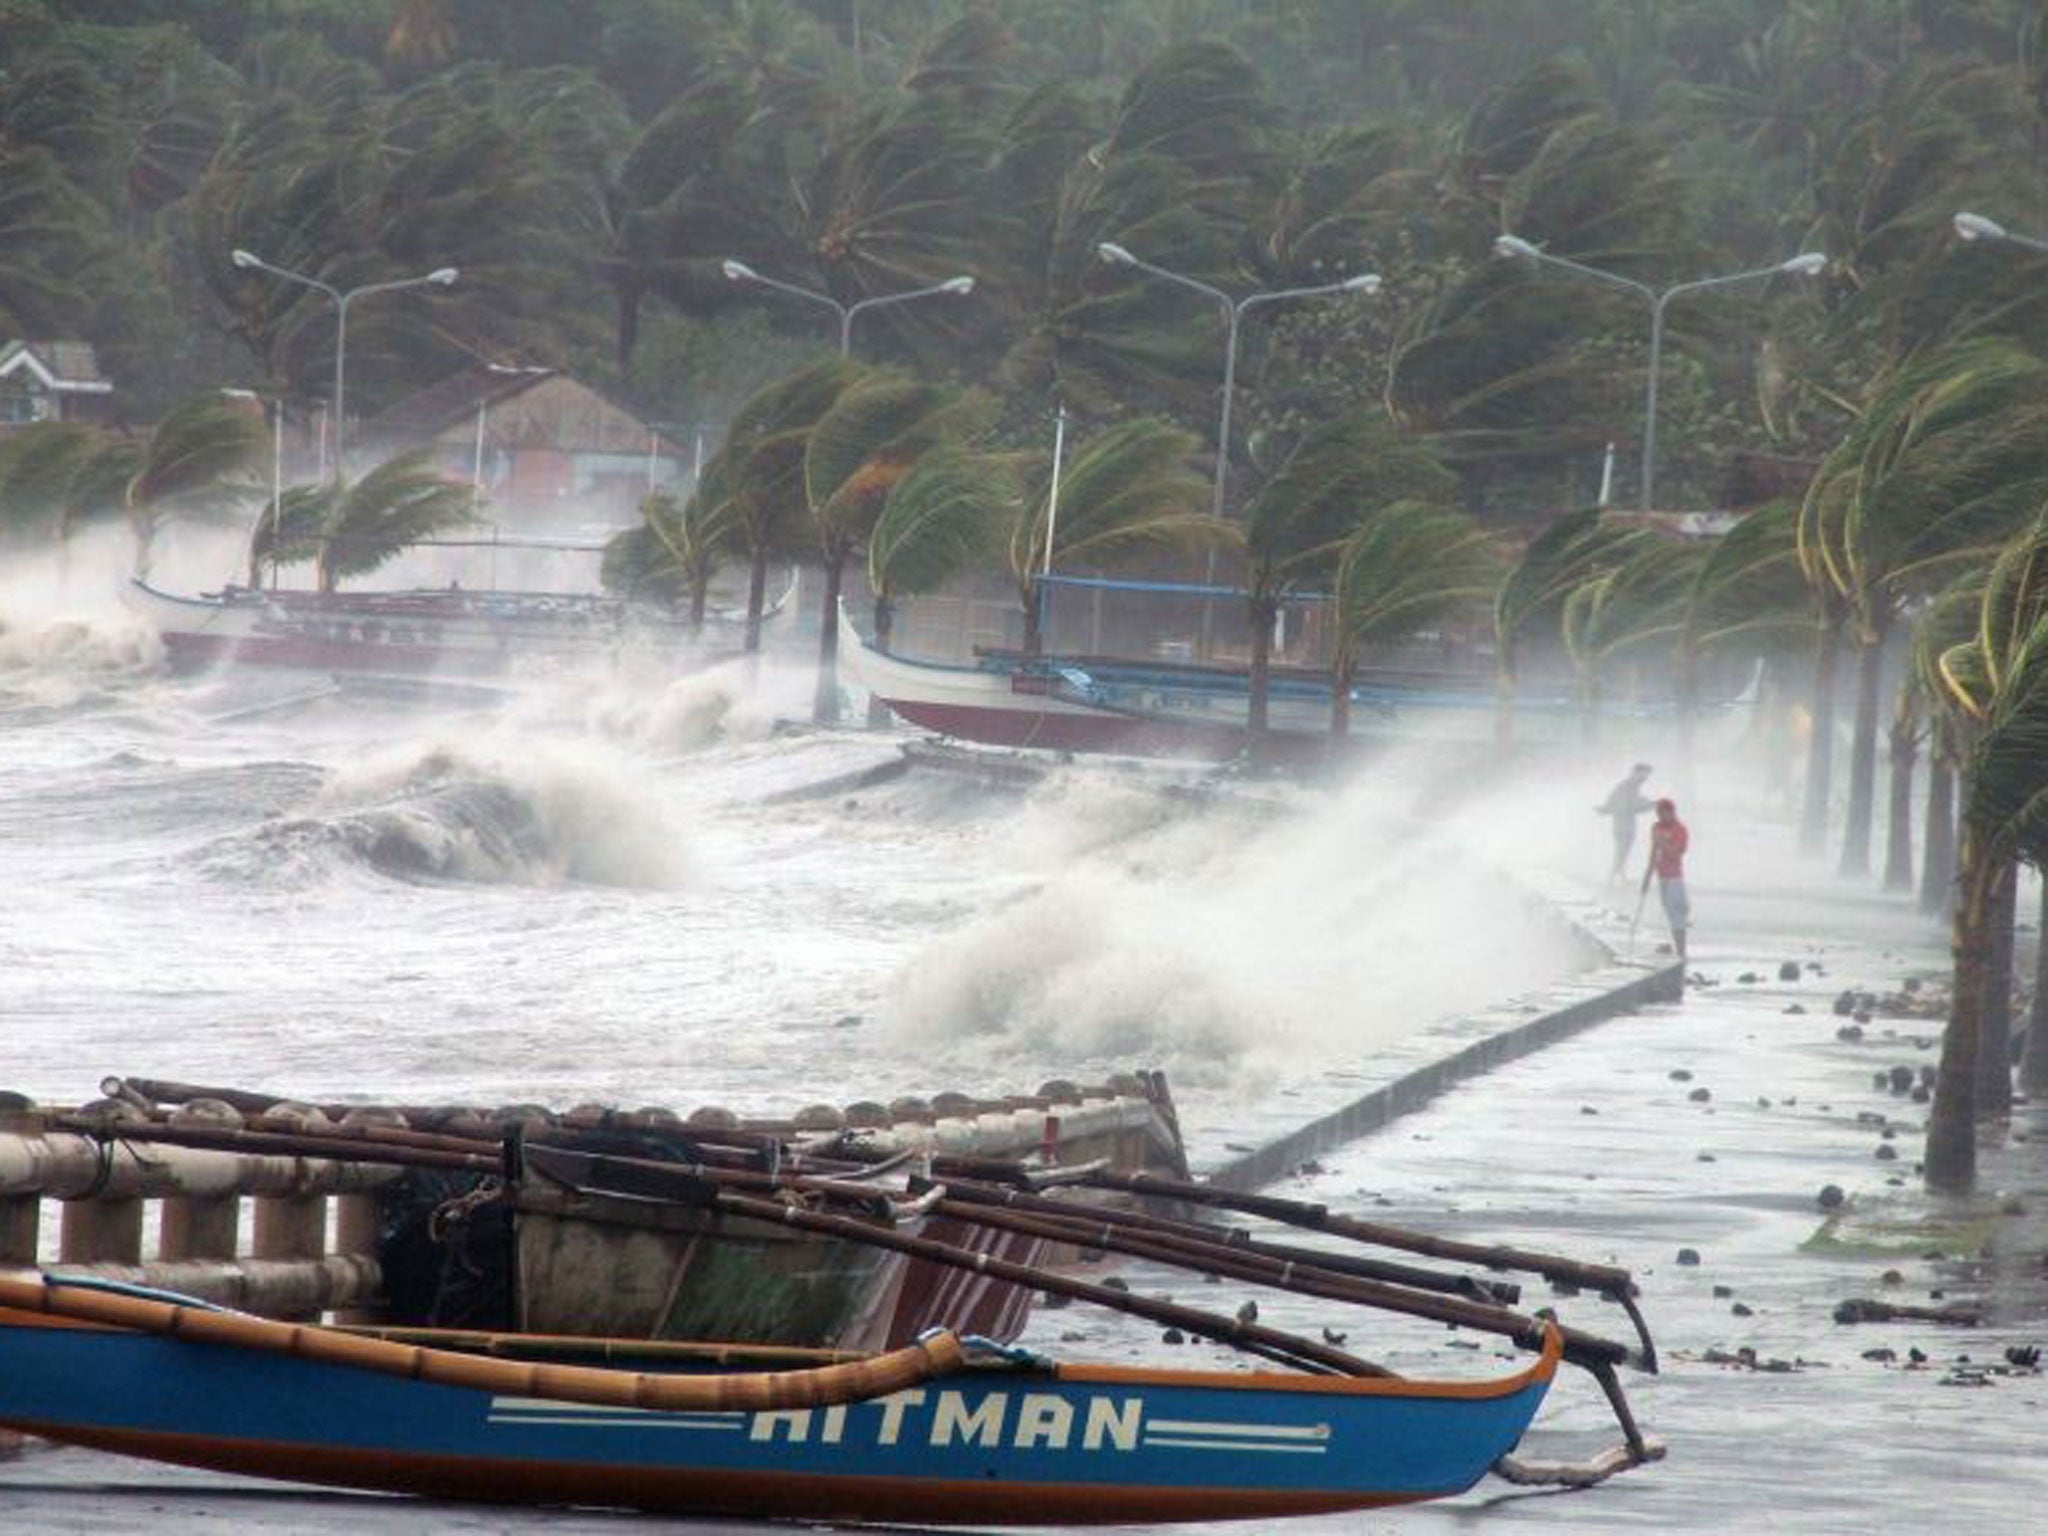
x=1010, y=1445
x=1139, y=710
x=409, y=634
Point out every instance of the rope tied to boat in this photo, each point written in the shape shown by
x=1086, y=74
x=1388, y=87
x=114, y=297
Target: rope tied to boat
x=457, y=1209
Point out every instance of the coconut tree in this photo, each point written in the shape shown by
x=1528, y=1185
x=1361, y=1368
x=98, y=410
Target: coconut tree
x=198, y=462
x=1950, y=457
x=1130, y=488
x=375, y=517
x=38, y=464
x=858, y=453
x=1903, y=739
x=683, y=541
x=1636, y=601
x=291, y=530
x=1572, y=551
x=948, y=512
x=754, y=485
x=1948, y=621
x=1747, y=604
x=1999, y=680
x=1333, y=478
x=1408, y=566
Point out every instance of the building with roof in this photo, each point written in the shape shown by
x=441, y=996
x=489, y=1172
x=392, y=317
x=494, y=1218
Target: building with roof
x=51, y=381
x=552, y=455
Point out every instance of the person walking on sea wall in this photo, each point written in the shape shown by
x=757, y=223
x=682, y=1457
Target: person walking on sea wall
x=1624, y=803
x=1668, y=842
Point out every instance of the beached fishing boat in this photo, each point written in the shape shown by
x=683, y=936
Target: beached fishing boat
x=931, y=1433
x=406, y=633
x=439, y=631
x=521, y=1219
x=1168, y=710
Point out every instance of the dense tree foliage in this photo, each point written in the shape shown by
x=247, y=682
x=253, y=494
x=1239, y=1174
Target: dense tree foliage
x=589, y=168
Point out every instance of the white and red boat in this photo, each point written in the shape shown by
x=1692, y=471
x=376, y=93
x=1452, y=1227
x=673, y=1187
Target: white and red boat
x=1148, y=709
x=414, y=633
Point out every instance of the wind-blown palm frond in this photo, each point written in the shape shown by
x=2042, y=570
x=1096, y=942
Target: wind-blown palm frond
x=395, y=505
x=1638, y=600
x=1572, y=551
x=874, y=432
x=1337, y=474
x=37, y=466
x=1131, y=486
x=1406, y=567
x=945, y=515
x=1748, y=593
x=292, y=531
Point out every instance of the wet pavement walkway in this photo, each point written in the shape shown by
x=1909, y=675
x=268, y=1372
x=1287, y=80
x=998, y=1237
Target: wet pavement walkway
x=1711, y=1126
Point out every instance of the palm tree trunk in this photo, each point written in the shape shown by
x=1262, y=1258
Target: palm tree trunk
x=757, y=598
x=885, y=630
x=1820, y=747
x=1951, y=1157
x=1342, y=669
x=700, y=599
x=2034, y=1066
x=1994, y=1050
x=1034, y=619
x=1263, y=612
x=825, y=702
x=1904, y=751
x=1938, y=867
x=1863, y=755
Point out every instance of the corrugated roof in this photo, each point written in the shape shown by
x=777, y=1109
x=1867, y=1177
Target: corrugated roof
x=440, y=406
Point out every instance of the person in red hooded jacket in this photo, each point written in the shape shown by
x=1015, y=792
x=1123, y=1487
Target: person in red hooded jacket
x=1668, y=842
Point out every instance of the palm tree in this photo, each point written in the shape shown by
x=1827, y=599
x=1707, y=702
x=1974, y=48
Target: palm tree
x=754, y=485
x=1573, y=550
x=1999, y=680
x=1950, y=457
x=856, y=454
x=1944, y=625
x=941, y=518
x=291, y=531
x=1748, y=603
x=1637, y=599
x=694, y=535
x=1130, y=488
x=380, y=514
x=38, y=464
x=1335, y=477
x=198, y=461
x=1407, y=566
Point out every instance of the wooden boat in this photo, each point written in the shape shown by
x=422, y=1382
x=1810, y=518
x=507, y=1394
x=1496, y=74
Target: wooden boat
x=448, y=631
x=1151, y=709
x=520, y=1219
x=932, y=1433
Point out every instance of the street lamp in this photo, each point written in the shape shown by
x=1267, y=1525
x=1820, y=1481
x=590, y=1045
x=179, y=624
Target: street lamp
x=250, y=261
x=740, y=272
x=1233, y=314
x=1514, y=248
x=1974, y=226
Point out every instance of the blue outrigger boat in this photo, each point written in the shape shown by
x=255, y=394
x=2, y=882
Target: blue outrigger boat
x=943, y=1431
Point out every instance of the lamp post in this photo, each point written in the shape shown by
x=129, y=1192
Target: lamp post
x=1233, y=315
x=342, y=297
x=740, y=272
x=1974, y=226
x=1514, y=248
